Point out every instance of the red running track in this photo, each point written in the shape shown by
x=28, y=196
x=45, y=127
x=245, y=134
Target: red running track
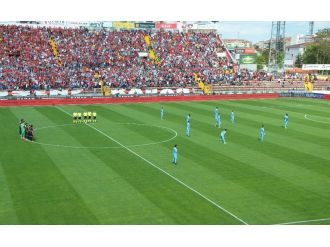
x=122, y=100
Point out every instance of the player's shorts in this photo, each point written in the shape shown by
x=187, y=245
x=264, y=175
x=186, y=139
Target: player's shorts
x=89, y=117
x=75, y=118
x=94, y=117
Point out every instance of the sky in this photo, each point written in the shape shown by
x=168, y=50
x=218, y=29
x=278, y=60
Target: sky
x=260, y=30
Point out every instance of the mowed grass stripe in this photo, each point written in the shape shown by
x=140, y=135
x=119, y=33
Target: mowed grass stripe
x=281, y=149
x=322, y=121
x=303, y=104
x=7, y=210
x=282, y=106
x=181, y=204
x=277, y=107
x=307, y=102
x=254, y=140
x=251, y=124
x=299, y=127
x=213, y=156
x=107, y=194
x=255, y=184
x=248, y=118
x=40, y=192
x=266, y=160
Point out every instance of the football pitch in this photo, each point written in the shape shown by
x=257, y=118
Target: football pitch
x=119, y=170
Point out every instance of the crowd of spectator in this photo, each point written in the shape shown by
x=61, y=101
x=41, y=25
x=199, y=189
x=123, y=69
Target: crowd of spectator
x=27, y=60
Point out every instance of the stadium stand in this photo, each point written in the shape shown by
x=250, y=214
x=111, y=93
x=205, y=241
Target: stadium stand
x=42, y=58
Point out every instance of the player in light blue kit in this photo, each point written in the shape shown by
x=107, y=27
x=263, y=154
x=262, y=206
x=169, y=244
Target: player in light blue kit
x=286, y=120
x=188, y=128
x=262, y=133
x=188, y=125
x=162, y=113
x=216, y=114
x=232, y=117
x=222, y=136
x=218, y=121
x=174, y=154
x=188, y=118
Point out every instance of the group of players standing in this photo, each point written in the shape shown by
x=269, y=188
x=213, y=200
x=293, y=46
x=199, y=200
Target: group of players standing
x=85, y=117
x=217, y=117
x=25, y=130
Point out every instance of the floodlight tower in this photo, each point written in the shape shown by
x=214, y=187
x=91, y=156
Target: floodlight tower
x=276, y=44
x=311, y=27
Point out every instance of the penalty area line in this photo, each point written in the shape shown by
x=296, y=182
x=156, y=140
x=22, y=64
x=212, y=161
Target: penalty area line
x=165, y=172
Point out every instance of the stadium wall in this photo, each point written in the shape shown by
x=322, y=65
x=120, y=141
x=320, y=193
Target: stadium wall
x=123, y=100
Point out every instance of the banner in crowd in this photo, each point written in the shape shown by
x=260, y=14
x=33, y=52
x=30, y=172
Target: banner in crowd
x=245, y=51
x=189, y=26
x=4, y=94
x=107, y=24
x=247, y=59
x=123, y=24
x=249, y=51
x=21, y=93
x=63, y=23
x=145, y=25
x=302, y=94
x=166, y=25
x=233, y=44
x=98, y=24
x=240, y=51
x=196, y=26
x=316, y=67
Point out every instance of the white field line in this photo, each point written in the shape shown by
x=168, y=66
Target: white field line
x=306, y=116
x=106, y=147
x=302, y=221
x=160, y=169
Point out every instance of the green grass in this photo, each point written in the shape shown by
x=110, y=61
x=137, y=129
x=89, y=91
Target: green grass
x=113, y=174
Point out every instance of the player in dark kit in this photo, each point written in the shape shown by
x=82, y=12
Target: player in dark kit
x=29, y=132
x=85, y=117
x=75, y=117
x=79, y=117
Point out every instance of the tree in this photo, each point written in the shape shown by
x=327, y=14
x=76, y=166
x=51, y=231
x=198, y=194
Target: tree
x=261, y=62
x=299, y=61
x=311, y=54
x=319, y=51
x=265, y=54
x=323, y=40
x=322, y=34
